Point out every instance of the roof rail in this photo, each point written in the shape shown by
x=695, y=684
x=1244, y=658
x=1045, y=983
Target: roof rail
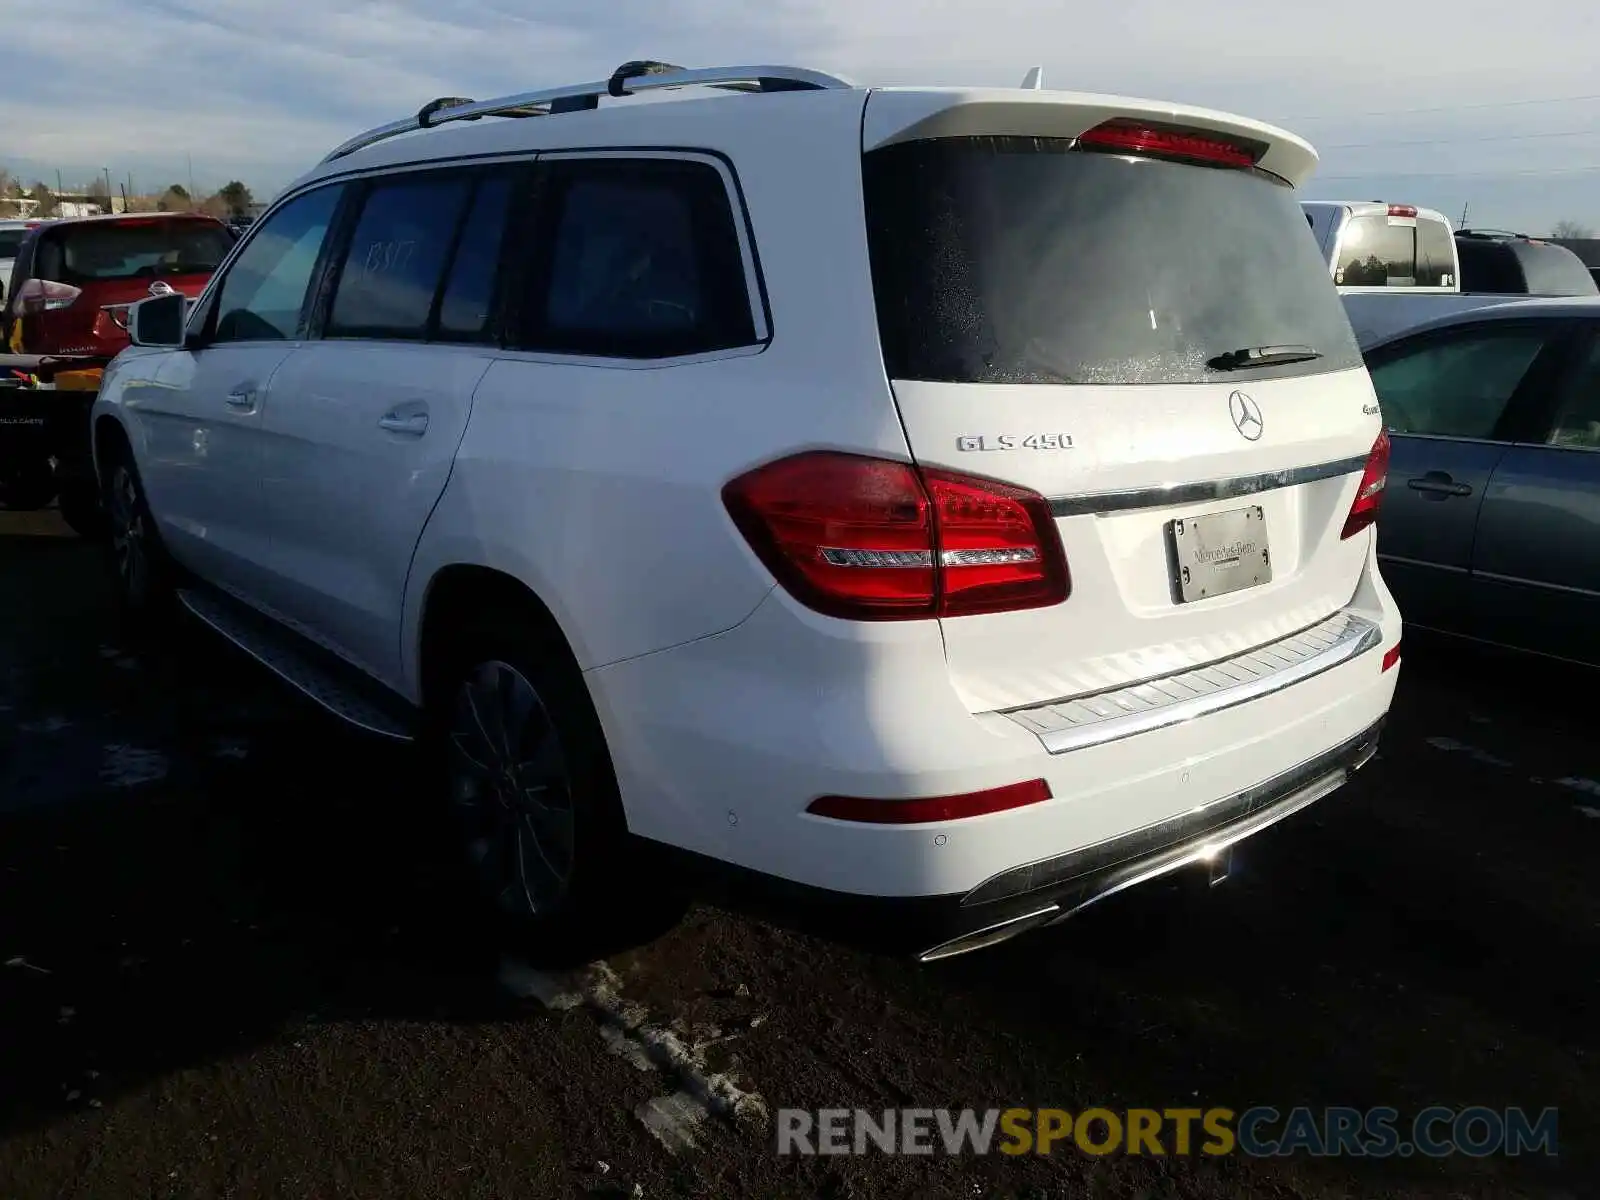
x=627, y=80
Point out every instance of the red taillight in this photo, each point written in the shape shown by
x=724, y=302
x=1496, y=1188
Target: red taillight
x=1133, y=137
x=1402, y=210
x=869, y=539
x=1391, y=656
x=930, y=808
x=45, y=295
x=1370, y=494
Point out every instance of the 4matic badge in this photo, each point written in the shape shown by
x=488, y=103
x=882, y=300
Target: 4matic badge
x=1014, y=441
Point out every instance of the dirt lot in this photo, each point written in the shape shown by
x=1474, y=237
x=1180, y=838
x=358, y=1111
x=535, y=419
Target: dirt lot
x=235, y=965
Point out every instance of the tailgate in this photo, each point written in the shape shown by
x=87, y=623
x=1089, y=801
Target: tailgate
x=1075, y=322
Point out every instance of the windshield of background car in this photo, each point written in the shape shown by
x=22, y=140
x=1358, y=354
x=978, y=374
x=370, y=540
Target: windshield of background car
x=116, y=250
x=1025, y=260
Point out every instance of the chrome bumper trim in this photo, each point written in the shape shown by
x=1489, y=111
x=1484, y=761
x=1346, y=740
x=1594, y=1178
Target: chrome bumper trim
x=1080, y=721
x=1074, y=880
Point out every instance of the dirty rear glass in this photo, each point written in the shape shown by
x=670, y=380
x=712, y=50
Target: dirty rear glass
x=1024, y=260
x=114, y=250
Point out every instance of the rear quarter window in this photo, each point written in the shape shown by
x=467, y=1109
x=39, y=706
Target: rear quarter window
x=1025, y=260
x=637, y=259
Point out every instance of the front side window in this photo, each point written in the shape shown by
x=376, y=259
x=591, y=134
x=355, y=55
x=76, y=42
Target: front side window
x=1458, y=385
x=397, y=256
x=643, y=261
x=263, y=295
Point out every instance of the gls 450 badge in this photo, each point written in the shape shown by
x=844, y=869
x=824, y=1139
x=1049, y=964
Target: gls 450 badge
x=1014, y=441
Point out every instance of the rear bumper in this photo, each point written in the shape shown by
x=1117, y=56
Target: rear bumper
x=721, y=744
x=1050, y=890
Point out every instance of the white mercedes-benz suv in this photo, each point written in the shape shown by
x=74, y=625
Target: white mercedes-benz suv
x=958, y=500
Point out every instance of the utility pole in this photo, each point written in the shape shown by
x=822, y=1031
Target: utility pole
x=189, y=159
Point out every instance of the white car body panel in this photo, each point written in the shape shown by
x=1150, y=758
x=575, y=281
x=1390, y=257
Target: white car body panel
x=357, y=445
x=200, y=456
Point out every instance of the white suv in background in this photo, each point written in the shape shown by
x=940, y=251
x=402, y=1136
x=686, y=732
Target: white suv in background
x=955, y=499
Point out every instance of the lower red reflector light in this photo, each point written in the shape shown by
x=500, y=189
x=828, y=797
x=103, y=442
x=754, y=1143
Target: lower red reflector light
x=1391, y=656
x=930, y=808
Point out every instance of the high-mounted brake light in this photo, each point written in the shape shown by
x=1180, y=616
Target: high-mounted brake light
x=875, y=540
x=45, y=295
x=1370, y=494
x=1134, y=137
x=930, y=808
x=1402, y=210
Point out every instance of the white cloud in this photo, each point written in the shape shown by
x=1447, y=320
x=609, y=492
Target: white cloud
x=260, y=91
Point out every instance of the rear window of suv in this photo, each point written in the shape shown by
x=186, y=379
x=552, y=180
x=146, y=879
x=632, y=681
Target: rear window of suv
x=1025, y=260
x=10, y=240
x=118, y=250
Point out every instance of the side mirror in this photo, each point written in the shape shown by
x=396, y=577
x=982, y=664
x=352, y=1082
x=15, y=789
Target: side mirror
x=159, y=321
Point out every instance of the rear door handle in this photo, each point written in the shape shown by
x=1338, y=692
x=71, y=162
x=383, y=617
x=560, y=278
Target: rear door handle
x=414, y=423
x=1438, y=483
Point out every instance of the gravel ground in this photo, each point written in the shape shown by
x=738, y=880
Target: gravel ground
x=236, y=965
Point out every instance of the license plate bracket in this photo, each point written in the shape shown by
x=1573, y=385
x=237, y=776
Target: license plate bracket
x=1218, y=553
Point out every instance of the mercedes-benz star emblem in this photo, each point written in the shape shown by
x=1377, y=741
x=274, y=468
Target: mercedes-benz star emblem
x=1246, y=416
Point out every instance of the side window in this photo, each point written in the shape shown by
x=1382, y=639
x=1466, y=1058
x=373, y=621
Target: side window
x=1577, y=417
x=469, y=292
x=643, y=261
x=1458, y=385
x=264, y=291
x=397, y=257
x=1436, y=266
x=1374, y=253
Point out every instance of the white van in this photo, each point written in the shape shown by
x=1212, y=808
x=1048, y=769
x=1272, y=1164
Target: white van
x=957, y=503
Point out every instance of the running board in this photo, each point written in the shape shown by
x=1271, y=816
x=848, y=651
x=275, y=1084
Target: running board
x=322, y=682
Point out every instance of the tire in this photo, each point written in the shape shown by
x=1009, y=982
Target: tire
x=541, y=829
x=82, y=511
x=142, y=574
x=27, y=487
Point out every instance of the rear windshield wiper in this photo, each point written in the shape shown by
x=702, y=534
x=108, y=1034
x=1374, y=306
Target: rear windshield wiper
x=1262, y=356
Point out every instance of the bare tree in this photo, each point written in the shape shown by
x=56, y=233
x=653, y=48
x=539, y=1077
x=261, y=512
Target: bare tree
x=46, y=199
x=1571, y=229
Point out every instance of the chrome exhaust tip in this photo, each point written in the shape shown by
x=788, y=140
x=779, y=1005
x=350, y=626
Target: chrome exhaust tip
x=992, y=935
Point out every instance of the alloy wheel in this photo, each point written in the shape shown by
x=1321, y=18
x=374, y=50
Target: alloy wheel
x=509, y=782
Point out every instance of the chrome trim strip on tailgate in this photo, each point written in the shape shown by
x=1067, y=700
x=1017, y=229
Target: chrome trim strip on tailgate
x=1206, y=489
x=1079, y=721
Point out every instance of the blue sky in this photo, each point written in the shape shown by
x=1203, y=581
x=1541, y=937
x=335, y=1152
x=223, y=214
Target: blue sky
x=259, y=90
